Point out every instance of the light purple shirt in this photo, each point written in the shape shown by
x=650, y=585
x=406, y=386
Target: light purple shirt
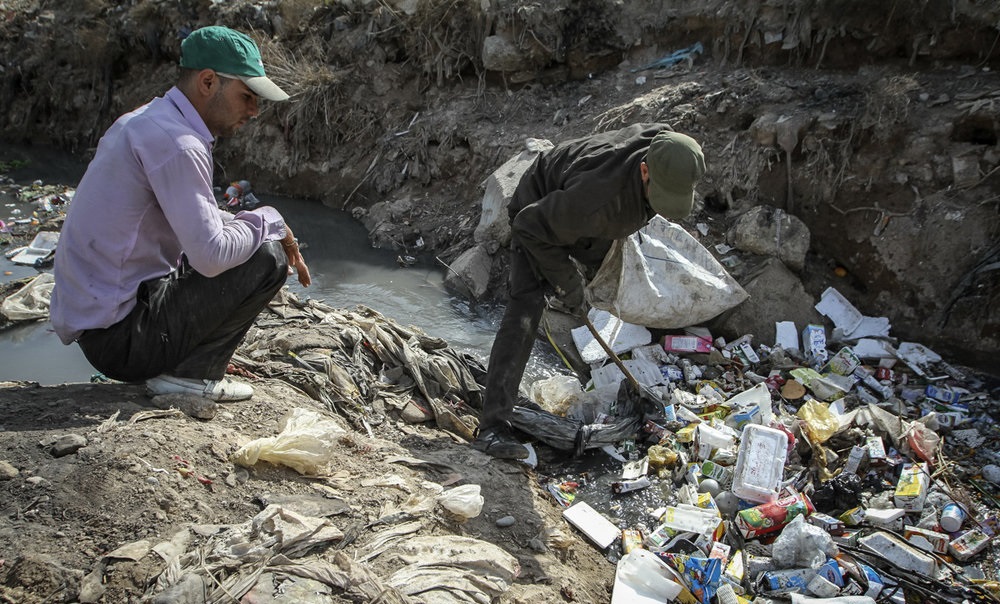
x=146, y=198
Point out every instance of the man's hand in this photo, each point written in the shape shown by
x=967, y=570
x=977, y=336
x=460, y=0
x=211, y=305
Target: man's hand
x=575, y=302
x=295, y=260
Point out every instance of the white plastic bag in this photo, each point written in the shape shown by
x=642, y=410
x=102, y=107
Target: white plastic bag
x=464, y=502
x=31, y=301
x=661, y=277
x=308, y=443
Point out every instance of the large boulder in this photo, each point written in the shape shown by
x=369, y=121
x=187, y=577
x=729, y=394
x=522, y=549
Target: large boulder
x=494, y=225
x=469, y=275
x=770, y=231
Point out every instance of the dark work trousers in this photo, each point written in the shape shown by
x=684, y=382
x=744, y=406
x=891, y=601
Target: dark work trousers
x=185, y=324
x=514, y=340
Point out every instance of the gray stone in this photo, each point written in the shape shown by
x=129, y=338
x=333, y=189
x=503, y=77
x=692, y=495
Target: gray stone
x=502, y=54
x=469, y=275
x=494, y=224
x=771, y=231
x=776, y=294
x=506, y=521
x=67, y=445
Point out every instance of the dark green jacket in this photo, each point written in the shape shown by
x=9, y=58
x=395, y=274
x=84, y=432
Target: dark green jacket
x=577, y=199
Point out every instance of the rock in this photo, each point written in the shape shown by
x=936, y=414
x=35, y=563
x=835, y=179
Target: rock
x=764, y=129
x=494, y=224
x=775, y=294
x=67, y=445
x=413, y=413
x=502, y=54
x=8, y=471
x=469, y=275
x=192, y=405
x=770, y=231
x=506, y=521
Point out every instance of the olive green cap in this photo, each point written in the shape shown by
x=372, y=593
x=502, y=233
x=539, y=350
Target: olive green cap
x=675, y=164
x=231, y=54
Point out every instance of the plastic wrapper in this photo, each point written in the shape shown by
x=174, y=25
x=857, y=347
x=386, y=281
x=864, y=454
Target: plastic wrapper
x=464, y=501
x=801, y=544
x=307, y=443
x=557, y=393
x=703, y=576
x=820, y=422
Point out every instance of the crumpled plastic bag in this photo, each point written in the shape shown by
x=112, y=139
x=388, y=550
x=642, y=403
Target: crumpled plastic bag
x=307, y=443
x=923, y=441
x=31, y=301
x=802, y=545
x=557, y=393
x=820, y=422
x=464, y=501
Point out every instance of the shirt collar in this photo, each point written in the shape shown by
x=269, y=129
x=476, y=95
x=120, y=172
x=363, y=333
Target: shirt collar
x=183, y=104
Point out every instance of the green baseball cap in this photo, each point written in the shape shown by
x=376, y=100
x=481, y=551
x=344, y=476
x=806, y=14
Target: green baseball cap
x=231, y=54
x=675, y=163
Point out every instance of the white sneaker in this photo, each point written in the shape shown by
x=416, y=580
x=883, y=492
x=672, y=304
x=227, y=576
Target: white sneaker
x=224, y=390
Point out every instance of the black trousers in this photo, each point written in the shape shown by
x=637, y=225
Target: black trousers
x=514, y=340
x=185, y=324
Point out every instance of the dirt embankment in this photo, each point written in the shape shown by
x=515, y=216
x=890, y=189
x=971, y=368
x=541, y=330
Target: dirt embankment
x=875, y=125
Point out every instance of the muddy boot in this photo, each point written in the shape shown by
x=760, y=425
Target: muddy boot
x=499, y=442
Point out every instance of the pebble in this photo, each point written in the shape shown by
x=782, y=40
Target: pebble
x=35, y=480
x=67, y=445
x=506, y=521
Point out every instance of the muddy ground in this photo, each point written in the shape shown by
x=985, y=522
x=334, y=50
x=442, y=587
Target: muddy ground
x=875, y=125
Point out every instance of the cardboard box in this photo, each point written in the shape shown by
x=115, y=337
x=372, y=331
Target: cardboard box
x=969, y=544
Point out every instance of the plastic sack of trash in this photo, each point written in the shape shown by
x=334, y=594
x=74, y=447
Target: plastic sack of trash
x=464, y=501
x=31, y=301
x=802, y=545
x=307, y=443
x=662, y=277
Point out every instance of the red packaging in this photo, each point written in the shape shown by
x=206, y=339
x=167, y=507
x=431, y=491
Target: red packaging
x=773, y=516
x=687, y=343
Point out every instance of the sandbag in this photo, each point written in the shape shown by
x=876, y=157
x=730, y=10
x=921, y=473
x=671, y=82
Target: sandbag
x=662, y=277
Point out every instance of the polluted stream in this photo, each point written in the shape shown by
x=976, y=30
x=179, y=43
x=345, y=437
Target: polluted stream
x=887, y=456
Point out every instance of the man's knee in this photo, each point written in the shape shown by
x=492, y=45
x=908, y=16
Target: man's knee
x=271, y=263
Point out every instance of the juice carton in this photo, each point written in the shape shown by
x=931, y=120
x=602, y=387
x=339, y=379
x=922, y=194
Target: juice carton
x=760, y=463
x=911, y=490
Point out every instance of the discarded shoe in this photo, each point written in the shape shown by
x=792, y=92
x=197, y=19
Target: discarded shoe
x=223, y=391
x=499, y=442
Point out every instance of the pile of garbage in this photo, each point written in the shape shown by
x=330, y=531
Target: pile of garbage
x=852, y=468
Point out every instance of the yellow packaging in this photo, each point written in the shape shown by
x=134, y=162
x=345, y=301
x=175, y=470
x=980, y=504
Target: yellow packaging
x=661, y=457
x=734, y=570
x=911, y=490
x=686, y=434
x=853, y=516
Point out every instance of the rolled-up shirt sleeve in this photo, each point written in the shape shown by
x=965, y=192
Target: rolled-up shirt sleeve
x=212, y=240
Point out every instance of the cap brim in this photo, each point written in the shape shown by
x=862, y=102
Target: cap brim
x=265, y=88
x=669, y=203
